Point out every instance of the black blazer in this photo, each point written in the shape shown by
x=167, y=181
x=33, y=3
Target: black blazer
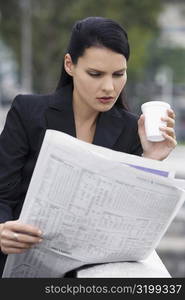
x=25, y=126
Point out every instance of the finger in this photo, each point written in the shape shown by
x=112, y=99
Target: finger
x=171, y=140
x=168, y=130
x=12, y=250
x=25, y=238
x=141, y=118
x=141, y=122
x=24, y=228
x=171, y=113
x=20, y=237
x=170, y=121
x=13, y=244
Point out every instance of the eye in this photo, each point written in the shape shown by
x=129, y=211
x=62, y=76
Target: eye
x=94, y=74
x=119, y=74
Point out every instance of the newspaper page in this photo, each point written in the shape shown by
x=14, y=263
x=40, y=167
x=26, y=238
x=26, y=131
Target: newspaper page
x=92, y=207
x=152, y=267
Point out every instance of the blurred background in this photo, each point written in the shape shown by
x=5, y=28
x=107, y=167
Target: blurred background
x=33, y=39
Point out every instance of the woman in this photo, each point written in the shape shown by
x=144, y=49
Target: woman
x=88, y=105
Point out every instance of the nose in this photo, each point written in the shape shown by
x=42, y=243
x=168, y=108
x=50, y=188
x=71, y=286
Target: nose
x=107, y=85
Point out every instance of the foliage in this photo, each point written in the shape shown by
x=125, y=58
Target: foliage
x=51, y=26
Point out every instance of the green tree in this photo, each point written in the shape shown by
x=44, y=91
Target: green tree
x=52, y=22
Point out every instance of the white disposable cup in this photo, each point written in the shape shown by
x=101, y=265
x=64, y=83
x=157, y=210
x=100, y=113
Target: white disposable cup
x=153, y=111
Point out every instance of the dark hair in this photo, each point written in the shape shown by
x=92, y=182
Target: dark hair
x=96, y=31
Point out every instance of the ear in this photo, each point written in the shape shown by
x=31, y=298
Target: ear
x=68, y=64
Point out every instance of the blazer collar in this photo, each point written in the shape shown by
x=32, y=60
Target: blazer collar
x=60, y=116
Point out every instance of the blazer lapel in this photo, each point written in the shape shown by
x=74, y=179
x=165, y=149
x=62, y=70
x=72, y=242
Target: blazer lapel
x=59, y=115
x=109, y=126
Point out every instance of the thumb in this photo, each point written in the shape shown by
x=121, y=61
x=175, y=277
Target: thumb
x=141, y=129
x=141, y=122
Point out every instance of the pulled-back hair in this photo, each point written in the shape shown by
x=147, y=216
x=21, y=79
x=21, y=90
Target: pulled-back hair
x=100, y=32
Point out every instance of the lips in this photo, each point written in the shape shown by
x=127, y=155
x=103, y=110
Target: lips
x=105, y=99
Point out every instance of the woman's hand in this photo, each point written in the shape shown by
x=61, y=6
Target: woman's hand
x=159, y=150
x=16, y=237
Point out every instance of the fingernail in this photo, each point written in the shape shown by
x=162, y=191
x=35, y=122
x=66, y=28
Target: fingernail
x=40, y=232
x=40, y=240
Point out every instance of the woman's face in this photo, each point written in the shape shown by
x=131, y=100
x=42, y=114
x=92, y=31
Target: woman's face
x=98, y=77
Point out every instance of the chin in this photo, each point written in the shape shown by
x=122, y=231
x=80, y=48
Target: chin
x=105, y=108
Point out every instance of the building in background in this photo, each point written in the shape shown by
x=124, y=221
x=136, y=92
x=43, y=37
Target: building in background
x=172, y=24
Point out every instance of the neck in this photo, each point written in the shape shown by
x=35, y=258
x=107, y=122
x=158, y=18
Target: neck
x=83, y=114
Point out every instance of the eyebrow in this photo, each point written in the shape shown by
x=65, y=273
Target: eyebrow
x=95, y=70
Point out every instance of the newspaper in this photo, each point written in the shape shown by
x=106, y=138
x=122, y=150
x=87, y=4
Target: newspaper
x=93, y=205
x=152, y=267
